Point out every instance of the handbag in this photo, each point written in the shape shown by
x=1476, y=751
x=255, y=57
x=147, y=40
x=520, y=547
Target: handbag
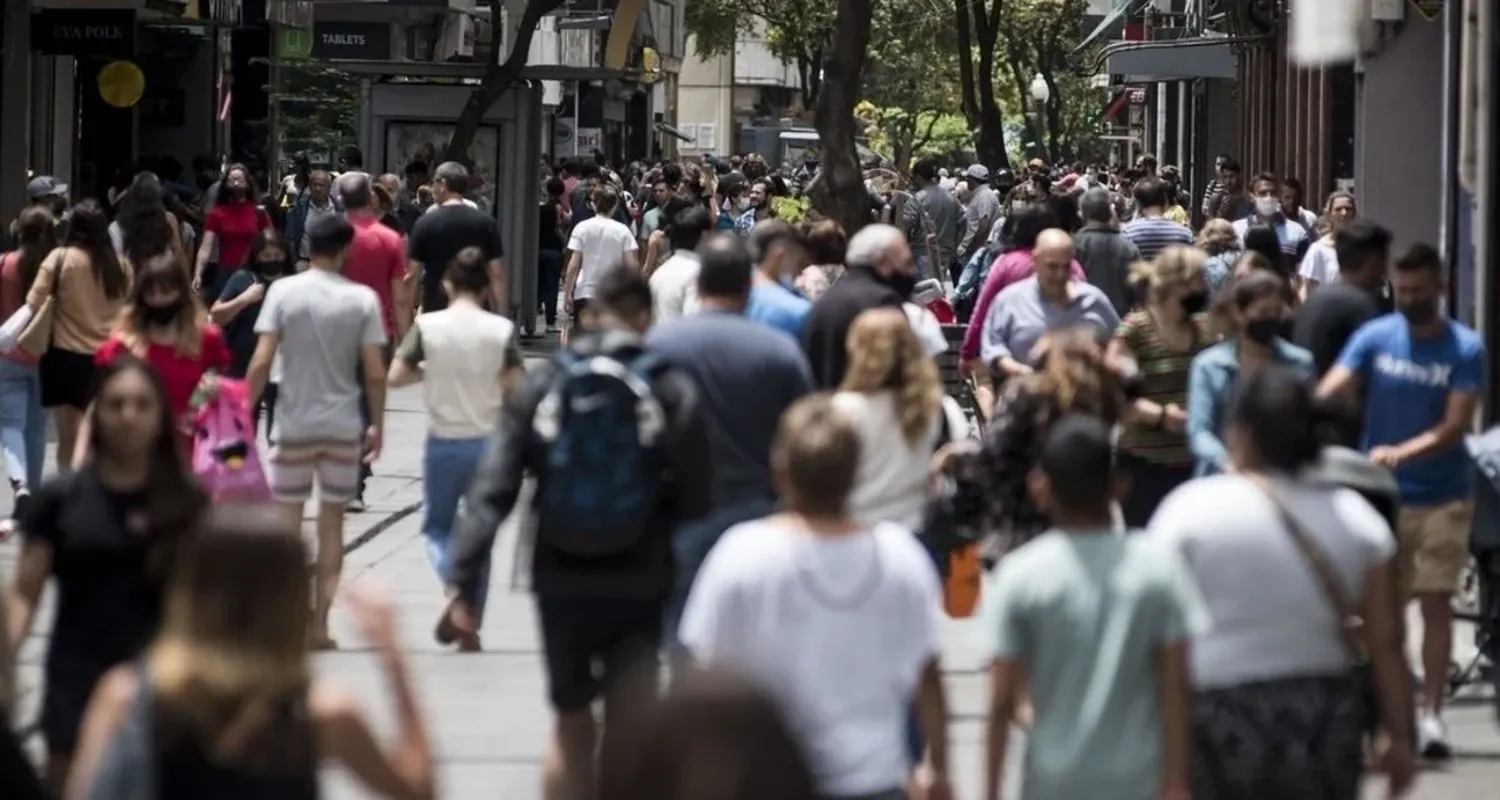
x=36, y=338
x=1337, y=596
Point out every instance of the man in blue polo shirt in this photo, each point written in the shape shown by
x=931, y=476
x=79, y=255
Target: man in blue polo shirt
x=1421, y=373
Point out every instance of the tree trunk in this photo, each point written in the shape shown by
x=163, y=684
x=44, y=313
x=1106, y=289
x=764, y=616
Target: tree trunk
x=990, y=143
x=839, y=191
x=968, y=94
x=498, y=76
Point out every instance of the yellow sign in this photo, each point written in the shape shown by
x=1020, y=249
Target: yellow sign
x=1429, y=9
x=650, y=65
x=121, y=84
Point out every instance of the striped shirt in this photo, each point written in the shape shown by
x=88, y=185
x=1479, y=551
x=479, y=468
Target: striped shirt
x=1164, y=374
x=1152, y=235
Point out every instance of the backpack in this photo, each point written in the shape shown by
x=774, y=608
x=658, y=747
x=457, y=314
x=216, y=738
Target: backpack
x=602, y=433
x=225, y=458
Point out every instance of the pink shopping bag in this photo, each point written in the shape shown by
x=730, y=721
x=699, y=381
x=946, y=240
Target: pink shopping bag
x=225, y=459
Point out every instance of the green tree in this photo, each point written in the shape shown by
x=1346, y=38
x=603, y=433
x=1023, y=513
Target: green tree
x=911, y=85
x=839, y=189
x=798, y=32
x=976, y=23
x=319, y=107
x=1038, y=37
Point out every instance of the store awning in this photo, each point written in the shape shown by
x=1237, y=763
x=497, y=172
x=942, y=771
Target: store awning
x=1116, y=106
x=1121, y=8
x=1182, y=59
x=662, y=127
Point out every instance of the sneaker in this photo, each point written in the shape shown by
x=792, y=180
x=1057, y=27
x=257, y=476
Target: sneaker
x=356, y=506
x=1432, y=737
x=23, y=504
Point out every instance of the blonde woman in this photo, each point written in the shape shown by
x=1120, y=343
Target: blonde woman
x=1160, y=340
x=1221, y=245
x=893, y=394
x=224, y=704
x=1321, y=264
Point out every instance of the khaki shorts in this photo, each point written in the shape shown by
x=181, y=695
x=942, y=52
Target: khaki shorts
x=1434, y=546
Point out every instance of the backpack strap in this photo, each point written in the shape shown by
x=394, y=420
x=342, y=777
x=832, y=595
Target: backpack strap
x=127, y=767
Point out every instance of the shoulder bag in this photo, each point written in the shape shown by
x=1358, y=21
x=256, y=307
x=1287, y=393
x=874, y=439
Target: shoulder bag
x=1345, y=607
x=36, y=338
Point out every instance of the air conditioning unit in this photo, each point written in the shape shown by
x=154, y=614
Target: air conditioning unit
x=1176, y=7
x=490, y=37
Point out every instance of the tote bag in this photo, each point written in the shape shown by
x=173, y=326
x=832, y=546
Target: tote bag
x=225, y=459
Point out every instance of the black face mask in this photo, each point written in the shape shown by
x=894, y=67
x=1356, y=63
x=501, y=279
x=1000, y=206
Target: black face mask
x=1419, y=312
x=162, y=316
x=901, y=284
x=1194, y=303
x=270, y=269
x=1262, y=331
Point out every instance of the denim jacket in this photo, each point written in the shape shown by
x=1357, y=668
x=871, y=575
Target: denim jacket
x=296, y=218
x=1211, y=381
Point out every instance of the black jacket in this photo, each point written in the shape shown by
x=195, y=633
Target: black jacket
x=513, y=451
x=828, y=322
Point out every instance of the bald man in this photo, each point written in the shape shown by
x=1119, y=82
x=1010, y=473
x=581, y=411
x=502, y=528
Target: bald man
x=879, y=272
x=1050, y=299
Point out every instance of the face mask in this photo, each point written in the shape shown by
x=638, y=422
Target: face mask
x=1420, y=312
x=743, y=203
x=1267, y=206
x=1262, y=331
x=269, y=268
x=902, y=284
x=162, y=316
x=1194, y=303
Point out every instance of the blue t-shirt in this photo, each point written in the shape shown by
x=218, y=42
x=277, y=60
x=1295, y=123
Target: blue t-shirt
x=1406, y=386
x=779, y=307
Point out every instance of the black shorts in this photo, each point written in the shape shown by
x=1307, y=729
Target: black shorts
x=580, y=305
x=67, y=378
x=592, y=644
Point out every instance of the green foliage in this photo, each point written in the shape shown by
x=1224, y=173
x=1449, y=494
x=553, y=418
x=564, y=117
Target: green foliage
x=791, y=210
x=1037, y=37
x=795, y=31
x=319, y=107
x=904, y=136
x=911, y=85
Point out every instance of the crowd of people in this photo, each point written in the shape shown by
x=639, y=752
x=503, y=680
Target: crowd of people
x=748, y=469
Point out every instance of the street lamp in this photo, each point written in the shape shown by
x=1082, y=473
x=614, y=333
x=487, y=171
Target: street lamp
x=1040, y=94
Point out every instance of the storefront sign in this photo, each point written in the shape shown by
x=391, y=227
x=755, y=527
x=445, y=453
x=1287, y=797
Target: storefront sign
x=1429, y=9
x=83, y=32
x=589, y=140
x=367, y=41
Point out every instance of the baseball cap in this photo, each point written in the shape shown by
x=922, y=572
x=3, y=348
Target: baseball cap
x=978, y=172
x=45, y=186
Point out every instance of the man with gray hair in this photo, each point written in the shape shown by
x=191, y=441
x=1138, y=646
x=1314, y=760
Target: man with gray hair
x=452, y=224
x=879, y=272
x=1105, y=253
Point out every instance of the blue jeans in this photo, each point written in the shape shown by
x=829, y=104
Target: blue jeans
x=448, y=467
x=691, y=543
x=23, y=423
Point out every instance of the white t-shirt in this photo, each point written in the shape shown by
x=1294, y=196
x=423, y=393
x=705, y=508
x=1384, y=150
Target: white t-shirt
x=602, y=243
x=1321, y=263
x=891, y=484
x=462, y=350
x=836, y=629
x=674, y=286
x=1271, y=618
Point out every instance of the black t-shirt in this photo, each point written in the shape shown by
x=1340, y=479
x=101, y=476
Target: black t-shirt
x=239, y=333
x=108, y=607
x=549, y=238
x=1330, y=316
x=827, y=327
x=439, y=235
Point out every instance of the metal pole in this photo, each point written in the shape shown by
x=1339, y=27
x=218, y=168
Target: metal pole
x=577, y=114
x=273, y=113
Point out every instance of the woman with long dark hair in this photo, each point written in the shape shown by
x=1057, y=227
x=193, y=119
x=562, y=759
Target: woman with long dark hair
x=228, y=231
x=144, y=230
x=224, y=704
x=86, y=284
x=23, y=421
x=107, y=536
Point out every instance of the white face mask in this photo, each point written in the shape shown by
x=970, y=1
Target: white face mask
x=1267, y=206
x=743, y=203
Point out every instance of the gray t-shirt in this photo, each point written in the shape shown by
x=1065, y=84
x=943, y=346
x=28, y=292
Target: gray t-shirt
x=324, y=321
x=1086, y=615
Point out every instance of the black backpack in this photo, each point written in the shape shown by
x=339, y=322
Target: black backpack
x=601, y=431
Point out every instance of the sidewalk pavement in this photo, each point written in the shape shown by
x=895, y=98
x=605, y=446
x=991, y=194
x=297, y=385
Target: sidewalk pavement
x=487, y=711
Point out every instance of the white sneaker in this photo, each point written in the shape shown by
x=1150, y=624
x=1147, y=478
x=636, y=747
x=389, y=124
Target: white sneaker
x=1432, y=736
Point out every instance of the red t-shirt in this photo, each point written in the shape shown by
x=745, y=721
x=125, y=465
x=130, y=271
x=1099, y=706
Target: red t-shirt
x=179, y=375
x=377, y=259
x=12, y=295
x=235, y=226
